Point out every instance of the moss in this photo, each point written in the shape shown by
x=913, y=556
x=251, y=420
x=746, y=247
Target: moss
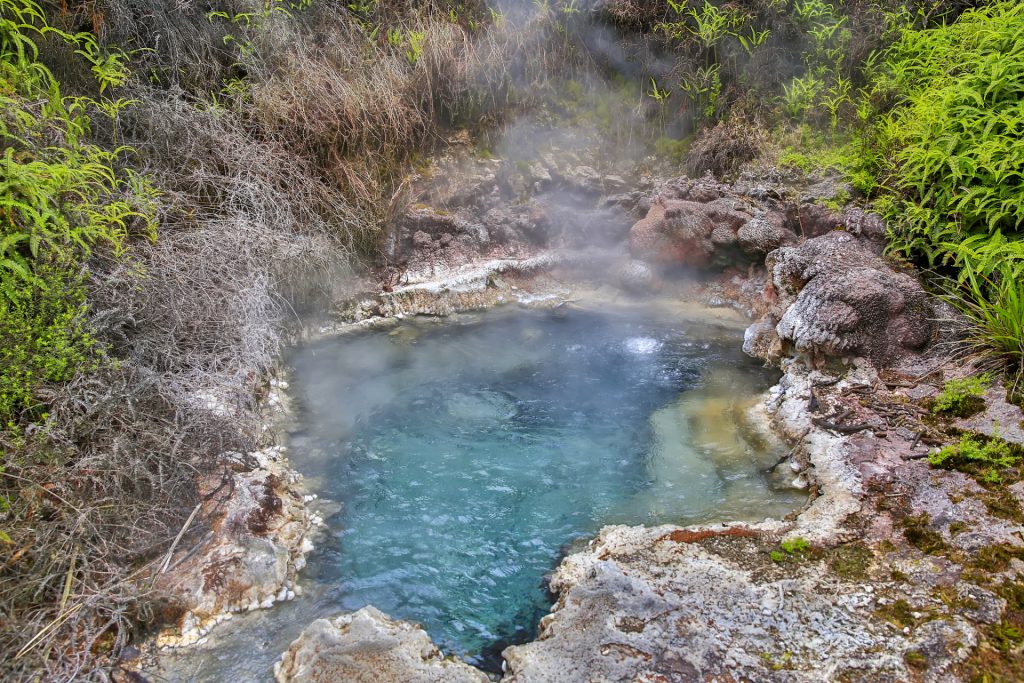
x=999, y=659
x=898, y=613
x=962, y=397
x=917, y=533
x=897, y=575
x=793, y=549
x=949, y=597
x=672, y=149
x=989, y=665
x=1001, y=503
x=991, y=460
x=915, y=660
x=779, y=664
x=851, y=561
x=1014, y=393
x=996, y=558
x=958, y=528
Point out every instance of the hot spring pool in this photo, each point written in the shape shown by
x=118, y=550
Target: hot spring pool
x=464, y=458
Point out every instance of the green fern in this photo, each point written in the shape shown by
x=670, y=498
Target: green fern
x=61, y=197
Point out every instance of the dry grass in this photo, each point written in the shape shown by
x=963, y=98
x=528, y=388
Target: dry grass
x=724, y=148
x=269, y=193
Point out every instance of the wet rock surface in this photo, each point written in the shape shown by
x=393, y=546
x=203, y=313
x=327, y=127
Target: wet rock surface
x=249, y=559
x=367, y=646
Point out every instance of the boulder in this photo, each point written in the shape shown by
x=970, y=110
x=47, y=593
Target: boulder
x=765, y=232
x=718, y=232
x=674, y=233
x=258, y=539
x=367, y=646
x=837, y=297
x=635, y=277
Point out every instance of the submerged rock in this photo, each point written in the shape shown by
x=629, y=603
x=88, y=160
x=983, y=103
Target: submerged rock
x=367, y=646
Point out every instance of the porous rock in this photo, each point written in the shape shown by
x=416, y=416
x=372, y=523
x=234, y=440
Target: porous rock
x=652, y=604
x=256, y=545
x=706, y=227
x=368, y=647
x=837, y=297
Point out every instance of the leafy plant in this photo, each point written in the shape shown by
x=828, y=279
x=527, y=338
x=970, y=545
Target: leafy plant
x=973, y=452
x=790, y=549
x=704, y=86
x=955, y=139
x=60, y=197
x=961, y=396
x=990, y=295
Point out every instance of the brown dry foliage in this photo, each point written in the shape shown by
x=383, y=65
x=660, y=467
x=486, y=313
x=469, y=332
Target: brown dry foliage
x=266, y=195
x=724, y=148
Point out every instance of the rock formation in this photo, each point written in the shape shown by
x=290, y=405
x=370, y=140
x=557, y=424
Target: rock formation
x=834, y=296
x=368, y=647
x=256, y=545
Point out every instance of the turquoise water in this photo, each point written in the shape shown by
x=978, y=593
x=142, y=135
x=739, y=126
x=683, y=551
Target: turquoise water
x=457, y=461
x=466, y=458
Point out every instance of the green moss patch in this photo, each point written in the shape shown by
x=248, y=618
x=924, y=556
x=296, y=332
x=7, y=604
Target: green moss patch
x=851, y=561
x=917, y=533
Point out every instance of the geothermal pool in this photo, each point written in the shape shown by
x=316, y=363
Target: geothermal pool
x=462, y=459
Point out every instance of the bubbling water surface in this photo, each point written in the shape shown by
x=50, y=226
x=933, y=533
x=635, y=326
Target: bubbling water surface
x=465, y=458
x=456, y=463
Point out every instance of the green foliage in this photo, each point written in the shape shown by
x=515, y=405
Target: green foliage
x=409, y=42
x=708, y=27
x=952, y=165
x=961, y=396
x=956, y=160
x=792, y=548
x=826, y=82
x=936, y=139
x=60, y=197
x=45, y=338
x=795, y=546
x=972, y=453
x=989, y=291
x=672, y=149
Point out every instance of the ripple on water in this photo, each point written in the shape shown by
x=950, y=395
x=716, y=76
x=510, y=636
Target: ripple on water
x=464, y=464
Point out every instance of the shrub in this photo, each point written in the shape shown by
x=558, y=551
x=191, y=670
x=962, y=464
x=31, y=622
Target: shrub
x=989, y=292
x=46, y=338
x=954, y=161
x=61, y=197
x=724, y=148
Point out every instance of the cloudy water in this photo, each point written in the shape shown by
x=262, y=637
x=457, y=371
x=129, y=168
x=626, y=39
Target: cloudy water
x=458, y=461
